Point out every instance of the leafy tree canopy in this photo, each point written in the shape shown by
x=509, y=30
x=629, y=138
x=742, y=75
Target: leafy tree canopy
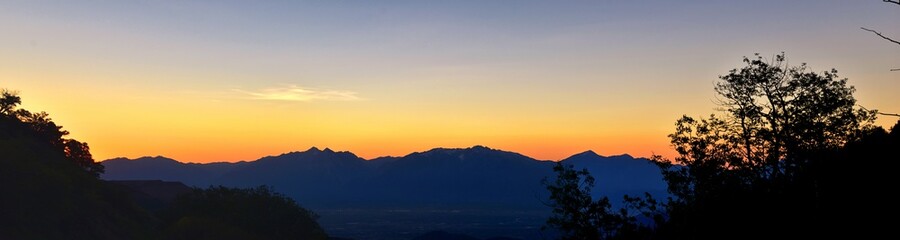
x=785, y=157
x=760, y=167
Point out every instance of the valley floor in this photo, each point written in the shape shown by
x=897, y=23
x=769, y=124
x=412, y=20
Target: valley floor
x=405, y=224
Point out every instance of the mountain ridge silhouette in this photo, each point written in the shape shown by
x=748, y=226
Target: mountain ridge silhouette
x=439, y=177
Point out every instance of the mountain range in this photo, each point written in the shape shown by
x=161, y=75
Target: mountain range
x=475, y=177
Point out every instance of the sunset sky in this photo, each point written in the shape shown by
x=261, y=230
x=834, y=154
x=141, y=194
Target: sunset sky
x=203, y=81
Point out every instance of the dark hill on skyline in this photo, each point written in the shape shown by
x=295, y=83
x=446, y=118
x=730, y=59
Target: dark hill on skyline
x=476, y=176
x=315, y=178
x=620, y=174
x=166, y=169
x=46, y=195
x=440, y=177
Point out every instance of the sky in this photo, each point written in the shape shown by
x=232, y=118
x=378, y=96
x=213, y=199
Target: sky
x=206, y=81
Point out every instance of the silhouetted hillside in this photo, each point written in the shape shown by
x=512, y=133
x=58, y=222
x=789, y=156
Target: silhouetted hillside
x=45, y=195
x=383, y=160
x=619, y=175
x=49, y=189
x=231, y=213
x=152, y=195
x=166, y=169
x=314, y=177
x=476, y=176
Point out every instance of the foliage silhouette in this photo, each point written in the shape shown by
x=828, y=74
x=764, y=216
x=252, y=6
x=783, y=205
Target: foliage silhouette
x=251, y=213
x=577, y=216
x=785, y=159
x=758, y=162
x=42, y=126
x=49, y=189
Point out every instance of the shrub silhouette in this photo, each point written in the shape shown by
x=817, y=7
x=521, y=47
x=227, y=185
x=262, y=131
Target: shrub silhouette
x=234, y=213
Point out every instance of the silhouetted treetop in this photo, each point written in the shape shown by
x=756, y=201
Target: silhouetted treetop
x=774, y=113
x=49, y=187
x=766, y=156
x=786, y=158
x=8, y=102
x=49, y=190
x=40, y=125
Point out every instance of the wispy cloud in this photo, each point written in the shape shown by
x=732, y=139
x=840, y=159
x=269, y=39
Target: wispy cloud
x=300, y=94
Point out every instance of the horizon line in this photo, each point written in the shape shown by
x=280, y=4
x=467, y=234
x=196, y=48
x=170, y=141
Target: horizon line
x=369, y=159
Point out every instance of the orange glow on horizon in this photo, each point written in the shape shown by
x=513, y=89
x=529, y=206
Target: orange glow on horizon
x=175, y=79
x=552, y=151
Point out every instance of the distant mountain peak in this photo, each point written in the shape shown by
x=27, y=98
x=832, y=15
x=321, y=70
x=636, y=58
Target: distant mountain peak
x=477, y=153
x=317, y=150
x=588, y=153
x=443, y=150
x=480, y=147
x=157, y=158
x=591, y=155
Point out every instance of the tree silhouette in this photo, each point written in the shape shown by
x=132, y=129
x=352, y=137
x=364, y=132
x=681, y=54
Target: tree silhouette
x=44, y=128
x=785, y=158
x=80, y=154
x=882, y=35
x=759, y=160
x=8, y=102
x=50, y=190
x=577, y=216
x=49, y=187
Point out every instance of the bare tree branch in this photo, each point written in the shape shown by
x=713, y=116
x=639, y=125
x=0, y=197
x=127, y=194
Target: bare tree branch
x=882, y=36
x=879, y=112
